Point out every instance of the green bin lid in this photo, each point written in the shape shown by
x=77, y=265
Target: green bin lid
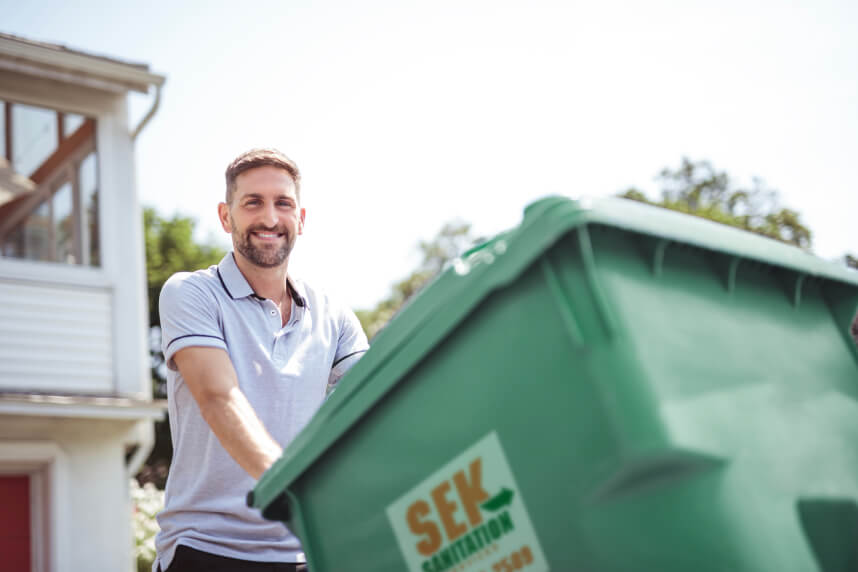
x=440, y=307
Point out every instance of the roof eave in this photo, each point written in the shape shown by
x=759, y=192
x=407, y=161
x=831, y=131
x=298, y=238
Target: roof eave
x=68, y=66
x=81, y=406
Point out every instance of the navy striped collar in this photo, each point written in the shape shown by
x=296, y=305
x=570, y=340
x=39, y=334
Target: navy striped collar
x=237, y=286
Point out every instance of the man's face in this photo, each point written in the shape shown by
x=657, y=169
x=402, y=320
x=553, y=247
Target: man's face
x=264, y=217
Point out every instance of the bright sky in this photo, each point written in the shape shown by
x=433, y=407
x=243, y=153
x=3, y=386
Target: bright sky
x=403, y=115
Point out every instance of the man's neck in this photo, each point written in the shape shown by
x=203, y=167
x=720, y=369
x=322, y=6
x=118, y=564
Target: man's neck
x=266, y=282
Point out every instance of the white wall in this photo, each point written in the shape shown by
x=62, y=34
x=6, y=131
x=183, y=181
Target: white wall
x=98, y=503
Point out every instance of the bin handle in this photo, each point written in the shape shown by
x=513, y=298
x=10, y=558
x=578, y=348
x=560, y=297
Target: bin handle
x=561, y=302
x=604, y=312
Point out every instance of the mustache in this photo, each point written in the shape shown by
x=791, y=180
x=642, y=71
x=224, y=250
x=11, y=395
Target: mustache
x=262, y=228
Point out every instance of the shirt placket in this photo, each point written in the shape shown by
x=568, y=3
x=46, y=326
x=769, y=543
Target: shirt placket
x=281, y=333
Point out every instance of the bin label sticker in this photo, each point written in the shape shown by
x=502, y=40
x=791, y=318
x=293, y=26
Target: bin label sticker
x=469, y=516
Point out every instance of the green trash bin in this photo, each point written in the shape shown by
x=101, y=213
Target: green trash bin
x=608, y=387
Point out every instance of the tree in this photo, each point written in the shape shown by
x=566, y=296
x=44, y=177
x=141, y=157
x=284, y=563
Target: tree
x=170, y=248
x=699, y=189
x=451, y=240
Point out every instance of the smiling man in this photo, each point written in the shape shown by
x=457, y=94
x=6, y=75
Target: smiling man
x=251, y=353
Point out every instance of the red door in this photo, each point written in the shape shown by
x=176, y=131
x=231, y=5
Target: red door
x=15, y=521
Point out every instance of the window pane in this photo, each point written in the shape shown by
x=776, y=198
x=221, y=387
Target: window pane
x=71, y=121
x=13, y=245
x=34, y=137
x=64, y=224
x=88, y=179
x=34, y=235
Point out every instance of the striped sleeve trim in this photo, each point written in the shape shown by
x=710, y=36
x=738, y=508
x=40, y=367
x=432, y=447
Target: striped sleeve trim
x=194, y=336
x=345, y=357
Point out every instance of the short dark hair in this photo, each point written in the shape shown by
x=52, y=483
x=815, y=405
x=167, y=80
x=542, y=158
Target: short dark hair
x=261, y=158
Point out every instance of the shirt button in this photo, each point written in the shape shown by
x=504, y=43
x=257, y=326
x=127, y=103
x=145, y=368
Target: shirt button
x=273, y=312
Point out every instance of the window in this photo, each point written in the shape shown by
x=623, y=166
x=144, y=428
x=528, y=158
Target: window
x=71, y=122
x=34, y=137
x=48, y=185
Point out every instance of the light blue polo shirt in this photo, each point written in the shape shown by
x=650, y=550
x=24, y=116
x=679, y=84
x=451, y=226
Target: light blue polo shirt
x=284, y=371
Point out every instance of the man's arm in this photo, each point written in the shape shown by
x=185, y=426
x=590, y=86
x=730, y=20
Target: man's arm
x=211, y=378
x=351, y=345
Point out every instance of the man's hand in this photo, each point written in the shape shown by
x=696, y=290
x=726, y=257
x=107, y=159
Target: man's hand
x=212, y=380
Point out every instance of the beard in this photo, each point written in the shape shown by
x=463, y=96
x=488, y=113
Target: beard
x=267, y=256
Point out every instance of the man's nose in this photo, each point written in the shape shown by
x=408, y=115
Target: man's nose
x=269, y=216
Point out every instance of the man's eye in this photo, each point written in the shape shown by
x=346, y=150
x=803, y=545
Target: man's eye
x=252, y=202
x=284, y=203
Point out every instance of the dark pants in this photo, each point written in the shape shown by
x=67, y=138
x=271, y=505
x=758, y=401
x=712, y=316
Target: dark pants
x=191, y=560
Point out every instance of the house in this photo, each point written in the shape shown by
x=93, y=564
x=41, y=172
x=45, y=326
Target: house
x=76, y=408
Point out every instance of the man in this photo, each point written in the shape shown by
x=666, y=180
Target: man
x=251, y=353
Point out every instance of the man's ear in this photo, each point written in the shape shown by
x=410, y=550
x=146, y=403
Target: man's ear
x=223, y=215
x=301, y=222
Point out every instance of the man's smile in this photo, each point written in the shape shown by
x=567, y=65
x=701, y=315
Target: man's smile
x=267, y=235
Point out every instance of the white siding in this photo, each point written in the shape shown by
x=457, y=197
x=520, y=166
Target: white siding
x=55, y=338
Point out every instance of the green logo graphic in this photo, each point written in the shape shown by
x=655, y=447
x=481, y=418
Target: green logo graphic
x=498, y=501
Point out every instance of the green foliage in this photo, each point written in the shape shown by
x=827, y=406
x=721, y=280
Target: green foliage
x=451, y=240
x=701, y=190
x=170, y=248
